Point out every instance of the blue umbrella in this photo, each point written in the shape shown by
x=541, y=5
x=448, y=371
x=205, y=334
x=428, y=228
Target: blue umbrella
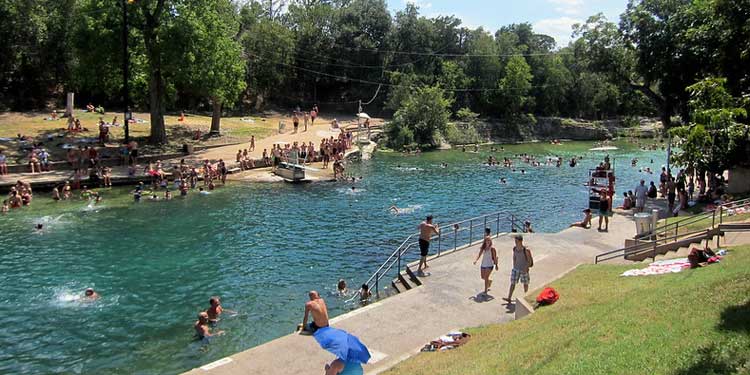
x=342, y=344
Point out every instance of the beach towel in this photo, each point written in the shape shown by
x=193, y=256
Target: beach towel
x=660, y=267
x=342, y=344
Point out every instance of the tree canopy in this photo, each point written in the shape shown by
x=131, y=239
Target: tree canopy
x=229, y=55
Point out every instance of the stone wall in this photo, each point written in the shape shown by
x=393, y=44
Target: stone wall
x=547, y=128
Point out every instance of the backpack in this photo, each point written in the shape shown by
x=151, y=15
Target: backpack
x=548, y=296
x=529, y=257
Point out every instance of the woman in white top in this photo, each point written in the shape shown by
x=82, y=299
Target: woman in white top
x=489, y=259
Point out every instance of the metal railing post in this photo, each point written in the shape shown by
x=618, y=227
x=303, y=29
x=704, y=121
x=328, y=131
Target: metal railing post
x=512, y=222
x=399, y=260
x=485, y=224
x=471, y=230
x=676, y=230
x=721, y=217
x=455, y=237
x=713, y=219
x=497, y=230
x=654, y=255
x=377, y=283
x=440, y=241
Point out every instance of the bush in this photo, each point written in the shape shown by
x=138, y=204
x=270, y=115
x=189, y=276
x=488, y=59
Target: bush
x=461, y=134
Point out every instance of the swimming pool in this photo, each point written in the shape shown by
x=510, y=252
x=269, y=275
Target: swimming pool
x=260, y=247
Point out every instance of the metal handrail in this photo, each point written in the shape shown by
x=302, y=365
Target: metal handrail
x=458, y=227
x=692, y=219
x=643, y=246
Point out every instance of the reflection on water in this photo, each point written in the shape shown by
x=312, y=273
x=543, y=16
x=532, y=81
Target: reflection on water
x=260, y=247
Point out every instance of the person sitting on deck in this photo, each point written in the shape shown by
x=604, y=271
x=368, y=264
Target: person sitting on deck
x=626, y=203
x=586, y=223
x=90, y=107
x=317, y=307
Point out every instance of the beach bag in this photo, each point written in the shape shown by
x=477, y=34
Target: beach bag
x=548, y=296
x=529, y=257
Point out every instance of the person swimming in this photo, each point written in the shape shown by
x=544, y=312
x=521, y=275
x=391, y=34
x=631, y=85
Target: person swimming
x=503, y=180
x=202, y=332
x=394, y=209
x=91, y=294
x=341, y=287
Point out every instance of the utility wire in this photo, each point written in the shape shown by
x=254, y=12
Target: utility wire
x=364, y=81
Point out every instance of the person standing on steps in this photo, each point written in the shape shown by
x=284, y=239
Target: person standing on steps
x=522, y=261
x=426, y=230
x=489, y=259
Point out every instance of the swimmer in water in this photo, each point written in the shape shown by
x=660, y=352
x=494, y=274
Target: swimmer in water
x=215, y=309
x=91, y=294
x=394, y=209
x=354, y=189
x=503, y=181
x=342, y=287
x=202, y=332
x=523, y=171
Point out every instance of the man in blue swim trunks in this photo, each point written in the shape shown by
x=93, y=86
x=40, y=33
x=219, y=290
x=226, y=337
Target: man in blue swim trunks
x=317, y=307
x=426, y=230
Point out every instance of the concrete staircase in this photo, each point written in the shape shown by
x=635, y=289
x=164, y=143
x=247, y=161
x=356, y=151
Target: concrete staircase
x=406, y=280
x=681, y=247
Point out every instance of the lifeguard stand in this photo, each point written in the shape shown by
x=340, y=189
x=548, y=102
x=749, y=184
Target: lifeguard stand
x=600, y=179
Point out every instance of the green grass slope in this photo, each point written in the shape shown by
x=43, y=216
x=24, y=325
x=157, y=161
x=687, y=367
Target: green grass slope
x=693, y=322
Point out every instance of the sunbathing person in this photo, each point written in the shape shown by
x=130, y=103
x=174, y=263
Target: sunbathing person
x=586, y=223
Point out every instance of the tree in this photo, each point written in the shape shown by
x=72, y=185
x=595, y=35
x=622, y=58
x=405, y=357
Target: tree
x=713, y=141
x=35, y=53
x=423, y=115
x=269, y=49
x=515, y=86
x=212, y=64
x=153, y=21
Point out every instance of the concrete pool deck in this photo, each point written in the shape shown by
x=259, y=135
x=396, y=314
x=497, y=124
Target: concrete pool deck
x=396, y=327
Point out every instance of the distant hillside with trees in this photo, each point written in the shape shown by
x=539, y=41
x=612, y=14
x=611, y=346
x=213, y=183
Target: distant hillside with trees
x=223, y=55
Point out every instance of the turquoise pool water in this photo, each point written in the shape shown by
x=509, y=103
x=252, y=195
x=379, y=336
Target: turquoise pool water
x=260, y=247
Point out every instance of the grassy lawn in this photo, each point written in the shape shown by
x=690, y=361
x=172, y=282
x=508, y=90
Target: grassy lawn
x=693, y=322
x=34, y=125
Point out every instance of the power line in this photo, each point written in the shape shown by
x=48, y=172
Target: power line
x=368, y=82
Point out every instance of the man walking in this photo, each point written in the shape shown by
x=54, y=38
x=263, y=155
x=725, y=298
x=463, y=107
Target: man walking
x=522, y=261
x=641, y=191
x=426, y=230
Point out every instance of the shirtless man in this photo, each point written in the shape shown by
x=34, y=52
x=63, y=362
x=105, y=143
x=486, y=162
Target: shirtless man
x=426, y=230
x=215, y=310
x=202, y=331
x=316, y=306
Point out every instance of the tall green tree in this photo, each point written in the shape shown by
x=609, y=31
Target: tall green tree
x=35, y=53
x=210, y=54
x=423, y=118
x=515, y=86
x=714, y=140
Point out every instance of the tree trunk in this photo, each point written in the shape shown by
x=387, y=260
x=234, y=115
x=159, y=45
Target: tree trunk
x=156, y=85
x=158, y=134
x=216, y=117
